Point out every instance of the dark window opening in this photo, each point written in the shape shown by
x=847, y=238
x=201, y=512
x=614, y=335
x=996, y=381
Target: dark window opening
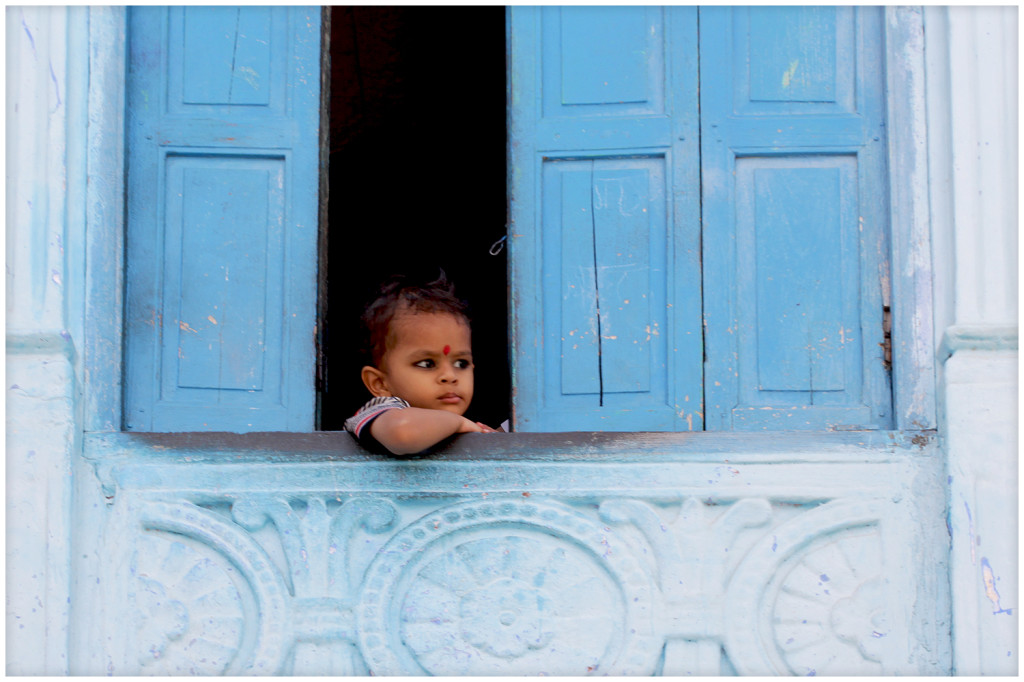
x=417, y=181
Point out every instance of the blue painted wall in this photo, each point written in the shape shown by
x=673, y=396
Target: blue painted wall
x=584, y=553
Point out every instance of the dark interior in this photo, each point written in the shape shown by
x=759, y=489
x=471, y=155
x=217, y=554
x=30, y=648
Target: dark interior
x=417, y=183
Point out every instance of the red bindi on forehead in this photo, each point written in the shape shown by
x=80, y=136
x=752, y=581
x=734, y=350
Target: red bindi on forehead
x=447, y=350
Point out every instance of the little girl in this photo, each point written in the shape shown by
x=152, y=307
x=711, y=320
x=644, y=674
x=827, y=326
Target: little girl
x=422, y=372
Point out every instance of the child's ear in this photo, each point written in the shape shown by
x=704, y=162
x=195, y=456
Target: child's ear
x=374, y=380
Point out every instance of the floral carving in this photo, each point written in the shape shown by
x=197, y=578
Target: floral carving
x=826, y=588
x=190, y=616
x=506, y=617
x=495, y=605
x=207, y=567
x=507, y=588
x=164, y=620
x=810, y=598
x=305, y=525
x=861, y=619
x=511, y=586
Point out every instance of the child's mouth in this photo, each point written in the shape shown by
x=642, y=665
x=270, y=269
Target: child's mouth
x=450, y=398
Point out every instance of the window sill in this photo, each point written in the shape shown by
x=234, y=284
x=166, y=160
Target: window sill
x=797, y=466
x=339, y=446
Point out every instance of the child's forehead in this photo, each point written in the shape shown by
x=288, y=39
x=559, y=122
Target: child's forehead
x=413, y=322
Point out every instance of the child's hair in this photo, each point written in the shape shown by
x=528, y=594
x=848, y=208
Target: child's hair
x=402, y=293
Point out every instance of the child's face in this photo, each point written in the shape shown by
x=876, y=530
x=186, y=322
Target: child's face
x=429, y=362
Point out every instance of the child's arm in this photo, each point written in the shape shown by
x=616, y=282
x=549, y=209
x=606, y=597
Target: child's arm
x=414, y=429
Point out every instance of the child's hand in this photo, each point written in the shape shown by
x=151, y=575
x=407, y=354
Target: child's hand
x=468, y=426
x=410, y=431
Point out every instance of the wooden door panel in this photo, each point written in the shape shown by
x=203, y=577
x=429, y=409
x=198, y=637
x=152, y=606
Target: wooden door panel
x=223, y=144
x=794, y=218
x=605, y=226
x=605, y=219
x=795, y=60
x=226, y=56
x=223, y=237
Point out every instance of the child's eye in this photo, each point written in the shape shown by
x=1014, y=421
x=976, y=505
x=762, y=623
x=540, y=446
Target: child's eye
x=425, y=364
x=462, y=364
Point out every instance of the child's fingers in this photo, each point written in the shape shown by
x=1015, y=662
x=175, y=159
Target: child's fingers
x=469, y=426
x=475, y=427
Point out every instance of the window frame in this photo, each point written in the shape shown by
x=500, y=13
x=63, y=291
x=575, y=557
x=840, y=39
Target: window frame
x=102, y=323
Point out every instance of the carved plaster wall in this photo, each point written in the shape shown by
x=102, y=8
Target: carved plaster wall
x=322, y=582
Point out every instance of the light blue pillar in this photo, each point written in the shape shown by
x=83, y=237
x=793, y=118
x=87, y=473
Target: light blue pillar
x=42, y=433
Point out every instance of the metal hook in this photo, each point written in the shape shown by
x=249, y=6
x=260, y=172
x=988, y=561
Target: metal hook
x=497, y=246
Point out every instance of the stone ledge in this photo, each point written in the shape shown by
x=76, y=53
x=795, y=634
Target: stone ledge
x=976, y=337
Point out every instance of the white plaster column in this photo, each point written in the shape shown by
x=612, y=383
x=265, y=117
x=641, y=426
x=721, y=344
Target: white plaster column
x=971, y=55
x=42, y=434
x=981, y=443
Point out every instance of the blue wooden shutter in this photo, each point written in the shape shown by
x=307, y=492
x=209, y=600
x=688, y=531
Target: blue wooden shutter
x=604, y=243
x=223, y=137
x=794, y=213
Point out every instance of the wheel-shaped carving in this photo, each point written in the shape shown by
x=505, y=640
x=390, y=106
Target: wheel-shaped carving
x=505, y=588
x=188, y=608
x=811, y=597
x=226, y=572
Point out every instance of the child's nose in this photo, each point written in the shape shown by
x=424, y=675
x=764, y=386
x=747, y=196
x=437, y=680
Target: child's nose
x=447, y=373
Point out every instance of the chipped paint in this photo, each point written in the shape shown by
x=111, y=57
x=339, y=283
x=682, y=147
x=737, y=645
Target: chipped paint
x=787, y=77
x=991, y=593
x=250, y=76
